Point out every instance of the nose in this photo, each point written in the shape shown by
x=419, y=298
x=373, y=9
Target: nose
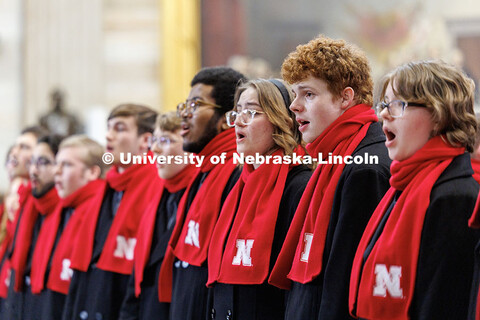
x=184, y=114
x=14, y=151
x=384, y=114
x=156, y=148
x=33, y=170
x=238, y=121
x=109, y=135
x=296, y=106
x=57, y=170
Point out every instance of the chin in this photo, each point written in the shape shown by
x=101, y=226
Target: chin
x=307, y=138
x=241, y=150
x=165, y=175
x=392, y=155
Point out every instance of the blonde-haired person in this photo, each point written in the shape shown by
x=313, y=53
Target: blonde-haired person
x=257, y=213
x=141, y=300
x=333, y=96
x=77, y=176
x=415, y=259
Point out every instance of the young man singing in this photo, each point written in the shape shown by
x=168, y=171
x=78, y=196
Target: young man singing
x=333, y=88
x=205, y=132
x=102, y=258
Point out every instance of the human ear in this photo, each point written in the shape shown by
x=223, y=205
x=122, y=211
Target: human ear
x=348, y=96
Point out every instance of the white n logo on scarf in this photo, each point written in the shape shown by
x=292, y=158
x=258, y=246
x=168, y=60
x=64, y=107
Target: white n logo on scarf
x=243, y=253
x=307, y=238
x=66, y=273
x=193, y=234
x=125, y=248
x=388, y=281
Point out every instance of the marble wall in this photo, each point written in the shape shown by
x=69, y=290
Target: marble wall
x=101, y=53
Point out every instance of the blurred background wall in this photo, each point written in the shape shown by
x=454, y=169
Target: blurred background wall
x=100, y=53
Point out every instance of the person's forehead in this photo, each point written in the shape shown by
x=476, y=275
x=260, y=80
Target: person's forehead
x=43, y=149
x=127, y=120
x=201, y=91
x=249, y=98
x=26, y=138
x=310, y=82
x=160, y=132
x=71, y=153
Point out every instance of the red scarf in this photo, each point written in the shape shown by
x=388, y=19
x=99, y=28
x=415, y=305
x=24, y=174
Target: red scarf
x=252, y=207
x=140, y=183
x=79, y=201
x=204, y=210
x=147, y=225
x=44, y=206
x=399, y=244
x=474, y=221
x=25, y=193
x=476, y=169
x=315, y=208
x=2, y=210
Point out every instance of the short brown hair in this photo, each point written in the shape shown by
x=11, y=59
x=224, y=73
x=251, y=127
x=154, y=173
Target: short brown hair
x=339, y=64
x=168, y=122
x=447, y=92
x=285, y=130
x=37, y=131
x=93, y=150
x=144, y=116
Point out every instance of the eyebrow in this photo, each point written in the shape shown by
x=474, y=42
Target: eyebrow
x=249, y=104
x=304, y=87
x=116, y=123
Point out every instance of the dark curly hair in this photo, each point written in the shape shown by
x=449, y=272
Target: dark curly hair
x=224, y=81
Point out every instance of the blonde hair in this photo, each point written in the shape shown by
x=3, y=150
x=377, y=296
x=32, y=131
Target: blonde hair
x=285, y=130
x=447, y=92
x=339, y=64
x=168, y=122
x=93, y=150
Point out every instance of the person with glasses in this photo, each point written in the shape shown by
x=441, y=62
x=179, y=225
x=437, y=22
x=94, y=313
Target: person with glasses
x=257, y=213
x=20, y=191
x=204, y=129
x=21, y=303
x=333, y=97
x=415, y=259
x=141, y=300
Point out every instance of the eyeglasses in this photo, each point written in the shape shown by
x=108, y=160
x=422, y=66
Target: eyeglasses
x=246, y=116
x=40, y=162
x=161, y=141
x=189, y=107
x=396, y=108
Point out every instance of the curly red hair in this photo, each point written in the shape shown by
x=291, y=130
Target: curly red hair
x=339, y=64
